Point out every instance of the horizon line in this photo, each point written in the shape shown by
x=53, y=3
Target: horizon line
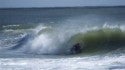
x=66, y=7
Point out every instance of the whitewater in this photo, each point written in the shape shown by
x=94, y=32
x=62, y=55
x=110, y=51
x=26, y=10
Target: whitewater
x=42, y=38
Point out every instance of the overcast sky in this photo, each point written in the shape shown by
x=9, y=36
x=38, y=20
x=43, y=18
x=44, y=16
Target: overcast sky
x=59, y=3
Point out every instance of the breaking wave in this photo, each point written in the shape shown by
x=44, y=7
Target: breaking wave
x=55, y=40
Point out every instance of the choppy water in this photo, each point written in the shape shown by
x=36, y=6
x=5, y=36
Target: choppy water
x=41, y=39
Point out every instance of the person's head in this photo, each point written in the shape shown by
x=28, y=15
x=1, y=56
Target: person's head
x=77, y=44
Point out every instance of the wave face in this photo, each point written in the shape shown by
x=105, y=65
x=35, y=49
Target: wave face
x=104, y=39
x=96, y=31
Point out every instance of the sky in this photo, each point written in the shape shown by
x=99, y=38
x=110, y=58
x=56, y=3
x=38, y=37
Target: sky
x=58, y=3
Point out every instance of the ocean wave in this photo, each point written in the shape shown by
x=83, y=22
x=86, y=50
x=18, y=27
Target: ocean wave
x=51, y=40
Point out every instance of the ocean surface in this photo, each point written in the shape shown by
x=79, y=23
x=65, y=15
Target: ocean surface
x=43, y=38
